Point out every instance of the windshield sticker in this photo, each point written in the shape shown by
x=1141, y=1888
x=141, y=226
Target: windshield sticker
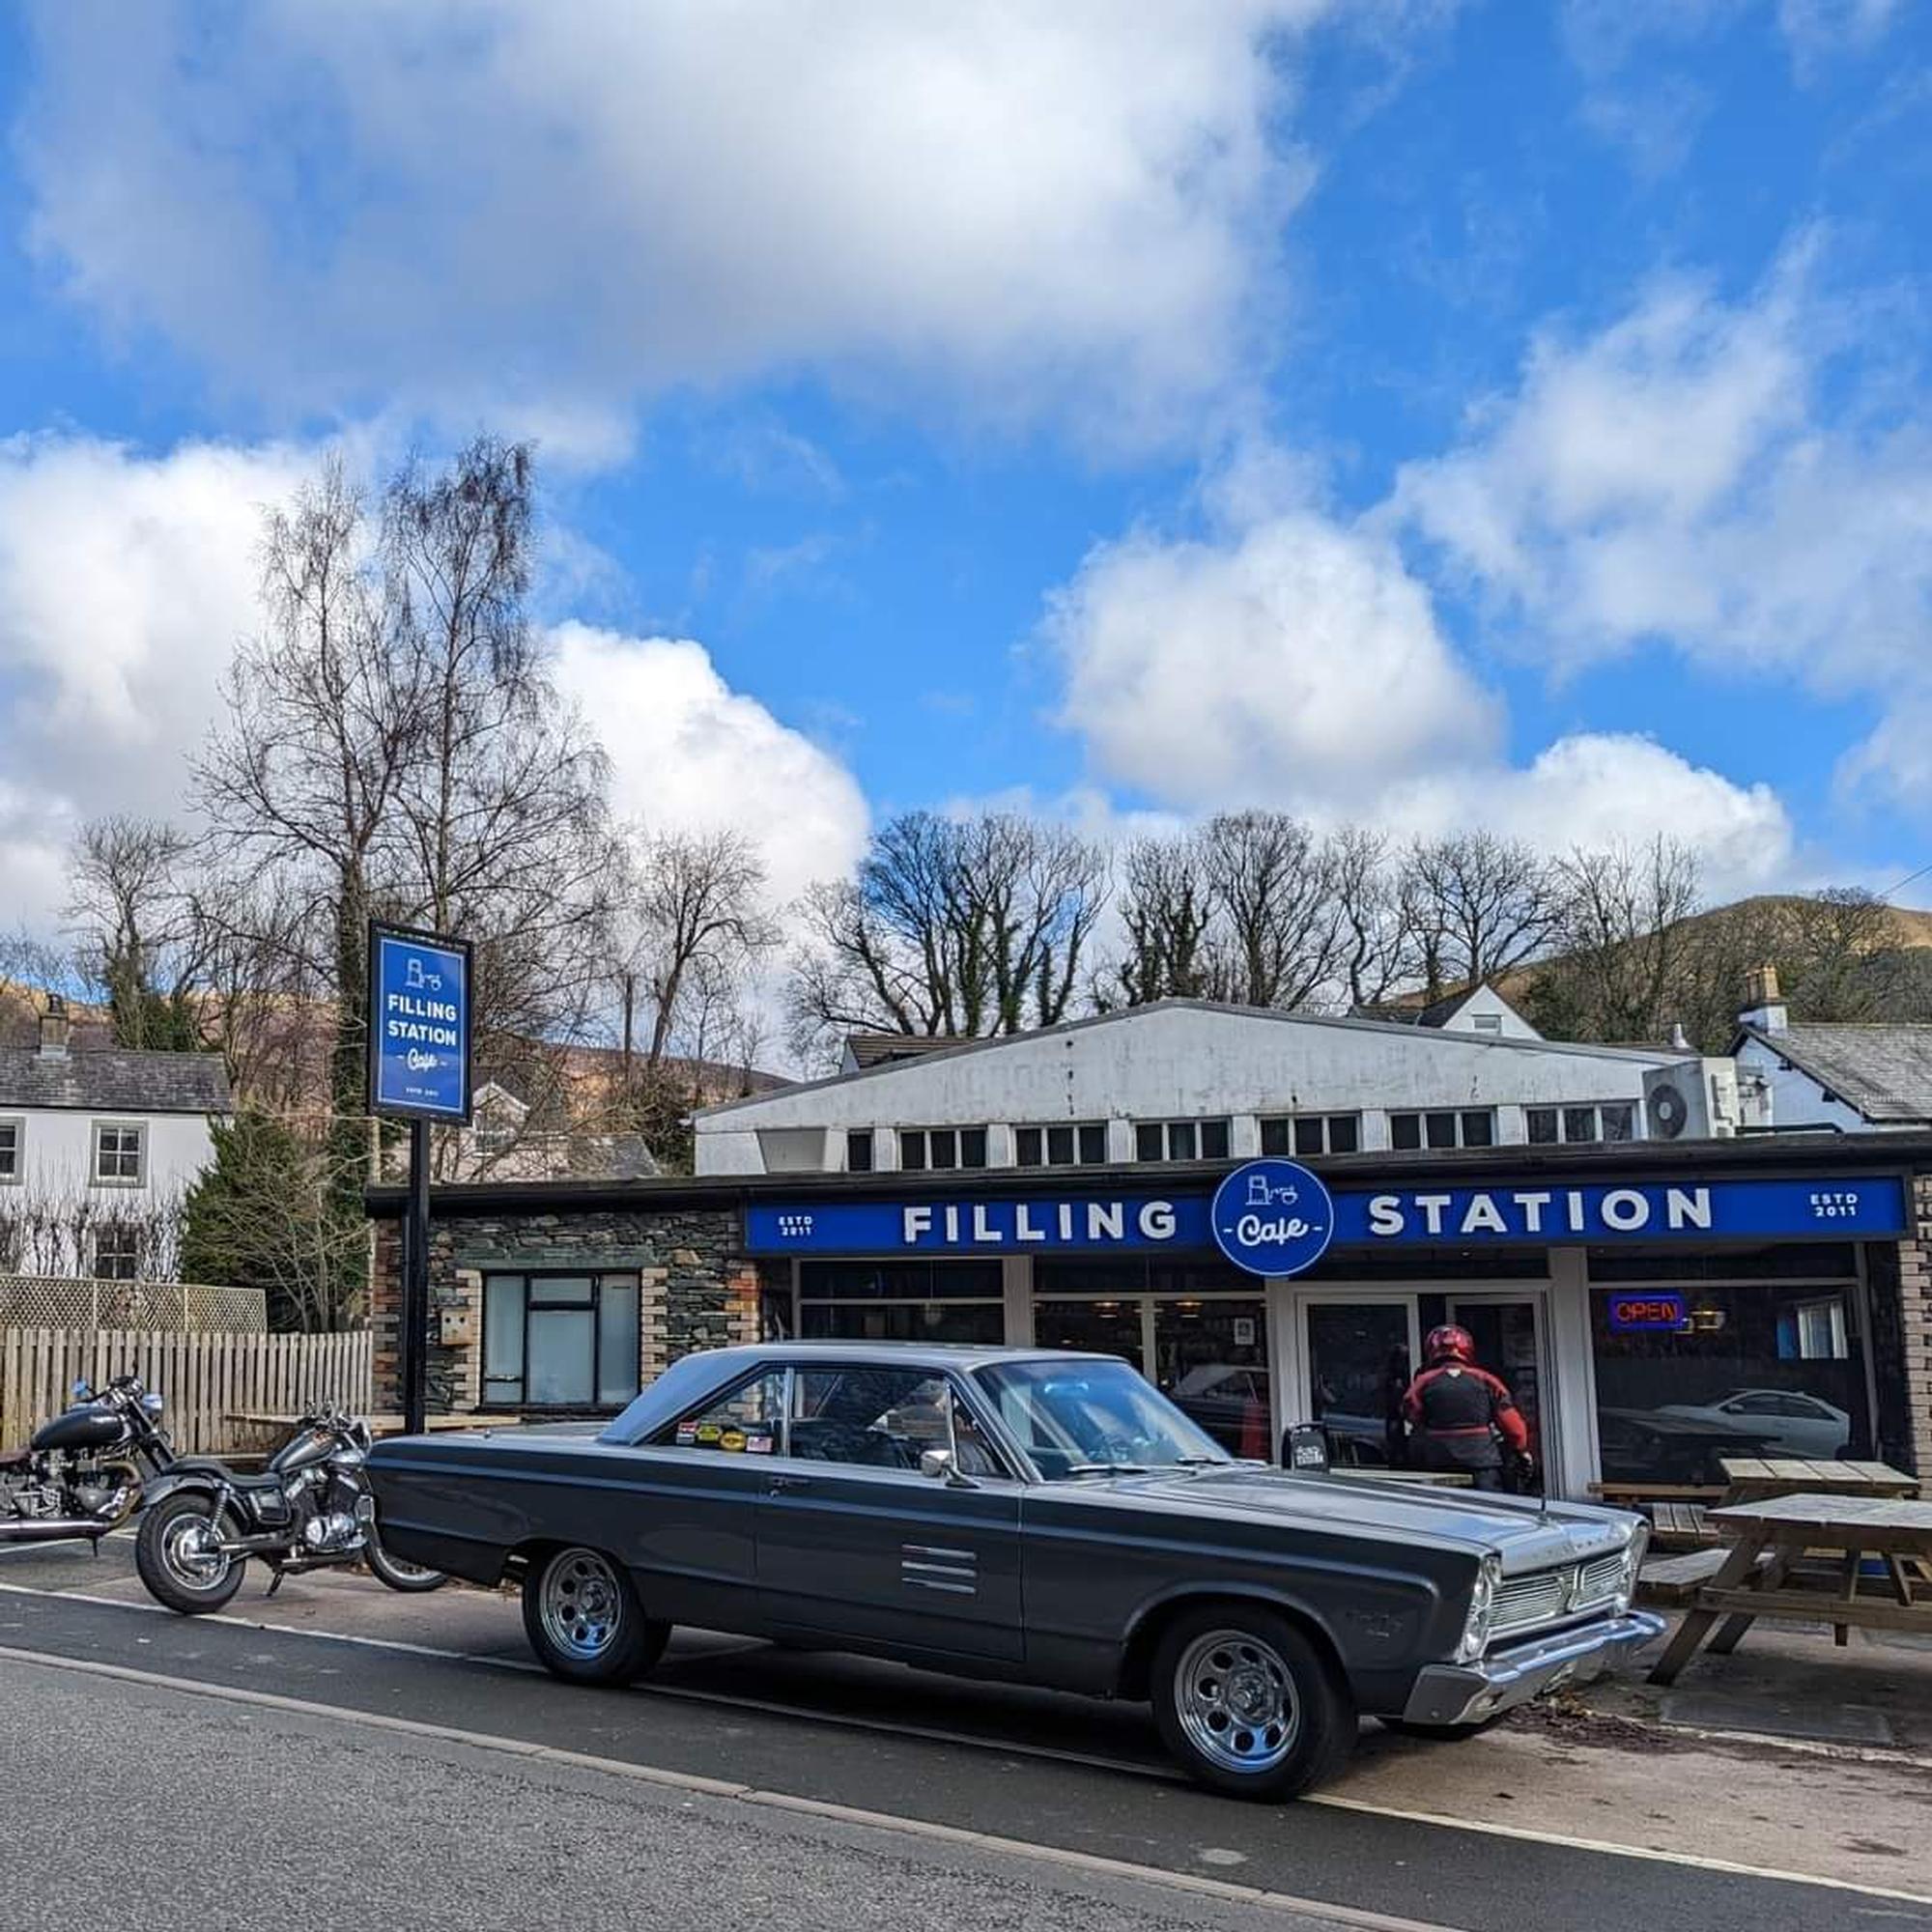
x=758, y=1445
x=732, y=1439
x=687, y=1433
x=708, y=1431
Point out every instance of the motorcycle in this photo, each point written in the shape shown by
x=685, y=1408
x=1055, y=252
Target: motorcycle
x=311, y=1509
x=86, y=1471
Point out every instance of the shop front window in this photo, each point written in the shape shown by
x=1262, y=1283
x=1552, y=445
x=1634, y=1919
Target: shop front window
x=901, y=1302
x=1691, y=1374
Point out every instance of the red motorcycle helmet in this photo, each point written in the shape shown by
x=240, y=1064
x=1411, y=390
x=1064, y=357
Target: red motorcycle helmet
x=1449, y=1342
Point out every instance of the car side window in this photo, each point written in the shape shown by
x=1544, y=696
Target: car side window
x=748, y=1421
x=882, y=1418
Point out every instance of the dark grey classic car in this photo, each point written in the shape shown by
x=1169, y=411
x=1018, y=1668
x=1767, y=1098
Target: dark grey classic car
x=1030, y=1515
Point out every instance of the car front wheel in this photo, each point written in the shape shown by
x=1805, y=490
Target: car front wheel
x=585, y=1621
x=1248, y=1704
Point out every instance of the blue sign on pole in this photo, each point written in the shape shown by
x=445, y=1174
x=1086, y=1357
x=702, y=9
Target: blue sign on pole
x=418, y=1025
x=1272, y=1217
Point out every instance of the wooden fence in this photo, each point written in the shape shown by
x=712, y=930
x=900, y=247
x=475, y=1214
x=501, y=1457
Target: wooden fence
x=206, y=1380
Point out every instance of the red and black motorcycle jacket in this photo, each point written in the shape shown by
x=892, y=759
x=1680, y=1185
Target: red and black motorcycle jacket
x=1459, y=1413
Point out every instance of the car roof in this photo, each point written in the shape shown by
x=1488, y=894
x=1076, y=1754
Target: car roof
x=941, y=1354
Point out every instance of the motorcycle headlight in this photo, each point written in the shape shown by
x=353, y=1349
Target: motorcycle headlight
x=151, y=1405
x=1482, y=1609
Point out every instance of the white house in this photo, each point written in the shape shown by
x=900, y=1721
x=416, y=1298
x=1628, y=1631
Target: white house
x=1189, y=1080
x=1812, y=1074
x=97, y=1148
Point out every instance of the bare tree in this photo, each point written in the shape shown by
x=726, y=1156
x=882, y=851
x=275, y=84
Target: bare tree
x=132, y=918
x=692, y=906
x=951, y=927
x=1827, y=964
x=1474, y=906
x=1167, y=910
x=1277, y=920
x=1373, y=953
x=1620, y=944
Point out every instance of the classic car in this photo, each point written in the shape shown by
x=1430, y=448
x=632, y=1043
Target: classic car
x=1031, y=1515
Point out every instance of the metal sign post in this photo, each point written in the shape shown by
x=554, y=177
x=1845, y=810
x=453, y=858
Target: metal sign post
x=419, y=987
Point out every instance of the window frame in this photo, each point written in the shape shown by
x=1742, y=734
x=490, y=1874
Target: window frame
x=117, y=1229
x=1042, y=1132
x=97, y=1131
x=958, y=1164
x=1196, y=1128
x=1558, y=1115
x=1291, y=1126
x=1424, y=1116
x=16, y=1173
x=856, y=1139
x=596, y=1277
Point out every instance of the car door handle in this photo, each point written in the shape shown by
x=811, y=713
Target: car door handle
x=779, y=1483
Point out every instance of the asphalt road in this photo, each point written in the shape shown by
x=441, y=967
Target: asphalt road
x=297, y=1755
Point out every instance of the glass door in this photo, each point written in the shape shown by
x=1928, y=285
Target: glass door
x=1210, y=1361
x=1360, y=1356
x=1509, y=1344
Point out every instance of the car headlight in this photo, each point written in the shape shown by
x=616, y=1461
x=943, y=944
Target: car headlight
x=1634, y=1554
x=1481, y=1610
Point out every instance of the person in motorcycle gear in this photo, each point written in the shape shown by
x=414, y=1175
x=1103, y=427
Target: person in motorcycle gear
x=1463, y=1416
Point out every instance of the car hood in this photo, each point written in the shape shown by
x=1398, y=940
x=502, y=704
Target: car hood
x=1525, y=1533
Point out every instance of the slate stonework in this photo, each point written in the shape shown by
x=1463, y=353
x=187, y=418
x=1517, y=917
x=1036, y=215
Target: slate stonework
x=698, y=1288
x=1915, y=1297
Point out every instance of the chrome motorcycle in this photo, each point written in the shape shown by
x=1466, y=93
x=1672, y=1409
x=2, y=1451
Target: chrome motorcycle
x=84, y=1472
x=310, y=1508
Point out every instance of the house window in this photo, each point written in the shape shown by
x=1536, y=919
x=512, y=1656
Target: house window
x=560, y=1341
x=1446, y=1127
x=859, y=1151
x=1077, y=1143
x=935, y=1147
x=1605, y=1121
x=901, y=1301
x=1303, y=1134
x=117, y=1252
x=1180, y=1140
x=119, y=1149
x=1485, y=1022
x=12, y=1139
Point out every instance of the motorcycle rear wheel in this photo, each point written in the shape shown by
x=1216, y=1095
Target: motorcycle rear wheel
x=174, y=1556
x=411, y=1578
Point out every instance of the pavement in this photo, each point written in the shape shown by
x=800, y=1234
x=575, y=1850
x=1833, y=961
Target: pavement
x=1567, y=1817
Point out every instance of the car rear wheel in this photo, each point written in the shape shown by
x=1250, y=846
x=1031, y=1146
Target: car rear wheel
x=585, y=1621
x=1248, y=1704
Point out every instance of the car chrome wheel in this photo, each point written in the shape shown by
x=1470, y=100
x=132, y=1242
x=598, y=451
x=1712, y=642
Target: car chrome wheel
x=1235, y=1701
x=582, y=1603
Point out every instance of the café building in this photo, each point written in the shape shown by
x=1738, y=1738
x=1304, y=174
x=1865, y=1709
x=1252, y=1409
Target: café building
x=1654, y=1298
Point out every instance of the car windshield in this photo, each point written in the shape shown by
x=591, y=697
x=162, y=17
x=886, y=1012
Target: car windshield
x=1083, y=1417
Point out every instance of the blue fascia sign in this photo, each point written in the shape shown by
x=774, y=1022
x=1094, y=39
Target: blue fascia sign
x=418, y=1025
x=1862, y=1208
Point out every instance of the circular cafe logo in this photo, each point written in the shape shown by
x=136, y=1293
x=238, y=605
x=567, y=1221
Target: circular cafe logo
x=1273, y=1217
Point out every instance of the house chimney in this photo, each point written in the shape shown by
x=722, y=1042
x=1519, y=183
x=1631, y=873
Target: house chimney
x=55, y=1026
x=1680, y=1041
x=1766, y=1011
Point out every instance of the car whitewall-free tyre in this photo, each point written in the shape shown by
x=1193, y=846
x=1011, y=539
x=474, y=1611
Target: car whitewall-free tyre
x=585, y=1621
x=1248, y=1704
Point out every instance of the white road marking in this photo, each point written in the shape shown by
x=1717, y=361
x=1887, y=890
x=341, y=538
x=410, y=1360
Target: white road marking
x=929, y=1734
x=777, y=1801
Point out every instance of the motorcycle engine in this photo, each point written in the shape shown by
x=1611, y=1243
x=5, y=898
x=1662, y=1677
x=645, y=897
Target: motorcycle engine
x=328, y=1516
x=34, y=1500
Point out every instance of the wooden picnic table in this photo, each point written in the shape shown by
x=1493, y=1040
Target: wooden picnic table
x=1751, y=1478
x=1803, y=1556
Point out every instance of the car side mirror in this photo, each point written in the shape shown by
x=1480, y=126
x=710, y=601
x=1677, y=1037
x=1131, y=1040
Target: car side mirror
x=941, y=1466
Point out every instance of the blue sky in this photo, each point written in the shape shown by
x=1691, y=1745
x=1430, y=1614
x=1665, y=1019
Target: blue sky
x=1423, y=413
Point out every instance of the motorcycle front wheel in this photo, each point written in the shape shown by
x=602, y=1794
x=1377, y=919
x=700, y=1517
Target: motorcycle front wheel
x=179, y=1555
x=408, y=1577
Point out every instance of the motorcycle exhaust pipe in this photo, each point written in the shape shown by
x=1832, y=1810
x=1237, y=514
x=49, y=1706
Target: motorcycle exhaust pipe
x=57, y=1529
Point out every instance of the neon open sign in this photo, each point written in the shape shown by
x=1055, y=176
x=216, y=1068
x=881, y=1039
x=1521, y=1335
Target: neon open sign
x=1651, y=1312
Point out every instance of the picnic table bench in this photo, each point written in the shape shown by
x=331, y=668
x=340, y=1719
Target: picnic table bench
x=1751, y=1478
x=1803, y=1556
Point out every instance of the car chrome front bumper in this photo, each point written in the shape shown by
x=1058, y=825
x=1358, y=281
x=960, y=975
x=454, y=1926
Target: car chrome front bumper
x=1466, y=1693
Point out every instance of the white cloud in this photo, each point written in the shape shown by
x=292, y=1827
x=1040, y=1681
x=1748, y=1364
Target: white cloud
x=689, y=752
x=1292, y=657
x=550, y=210
x=1292, y=661
x=1737, y=482
x=124, y=584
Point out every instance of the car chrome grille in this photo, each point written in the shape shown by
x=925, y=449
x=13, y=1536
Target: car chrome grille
x=1548, y=1596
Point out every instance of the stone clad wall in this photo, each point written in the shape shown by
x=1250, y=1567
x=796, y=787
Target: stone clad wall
x=699, y=1291
x=1915, y=1298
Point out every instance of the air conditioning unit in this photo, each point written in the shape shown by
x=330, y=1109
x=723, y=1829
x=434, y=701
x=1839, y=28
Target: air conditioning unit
x=1692, y=1100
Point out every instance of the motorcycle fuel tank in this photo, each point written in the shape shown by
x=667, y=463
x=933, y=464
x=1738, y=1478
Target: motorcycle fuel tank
x=302, y=1450
x=87, y=1426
